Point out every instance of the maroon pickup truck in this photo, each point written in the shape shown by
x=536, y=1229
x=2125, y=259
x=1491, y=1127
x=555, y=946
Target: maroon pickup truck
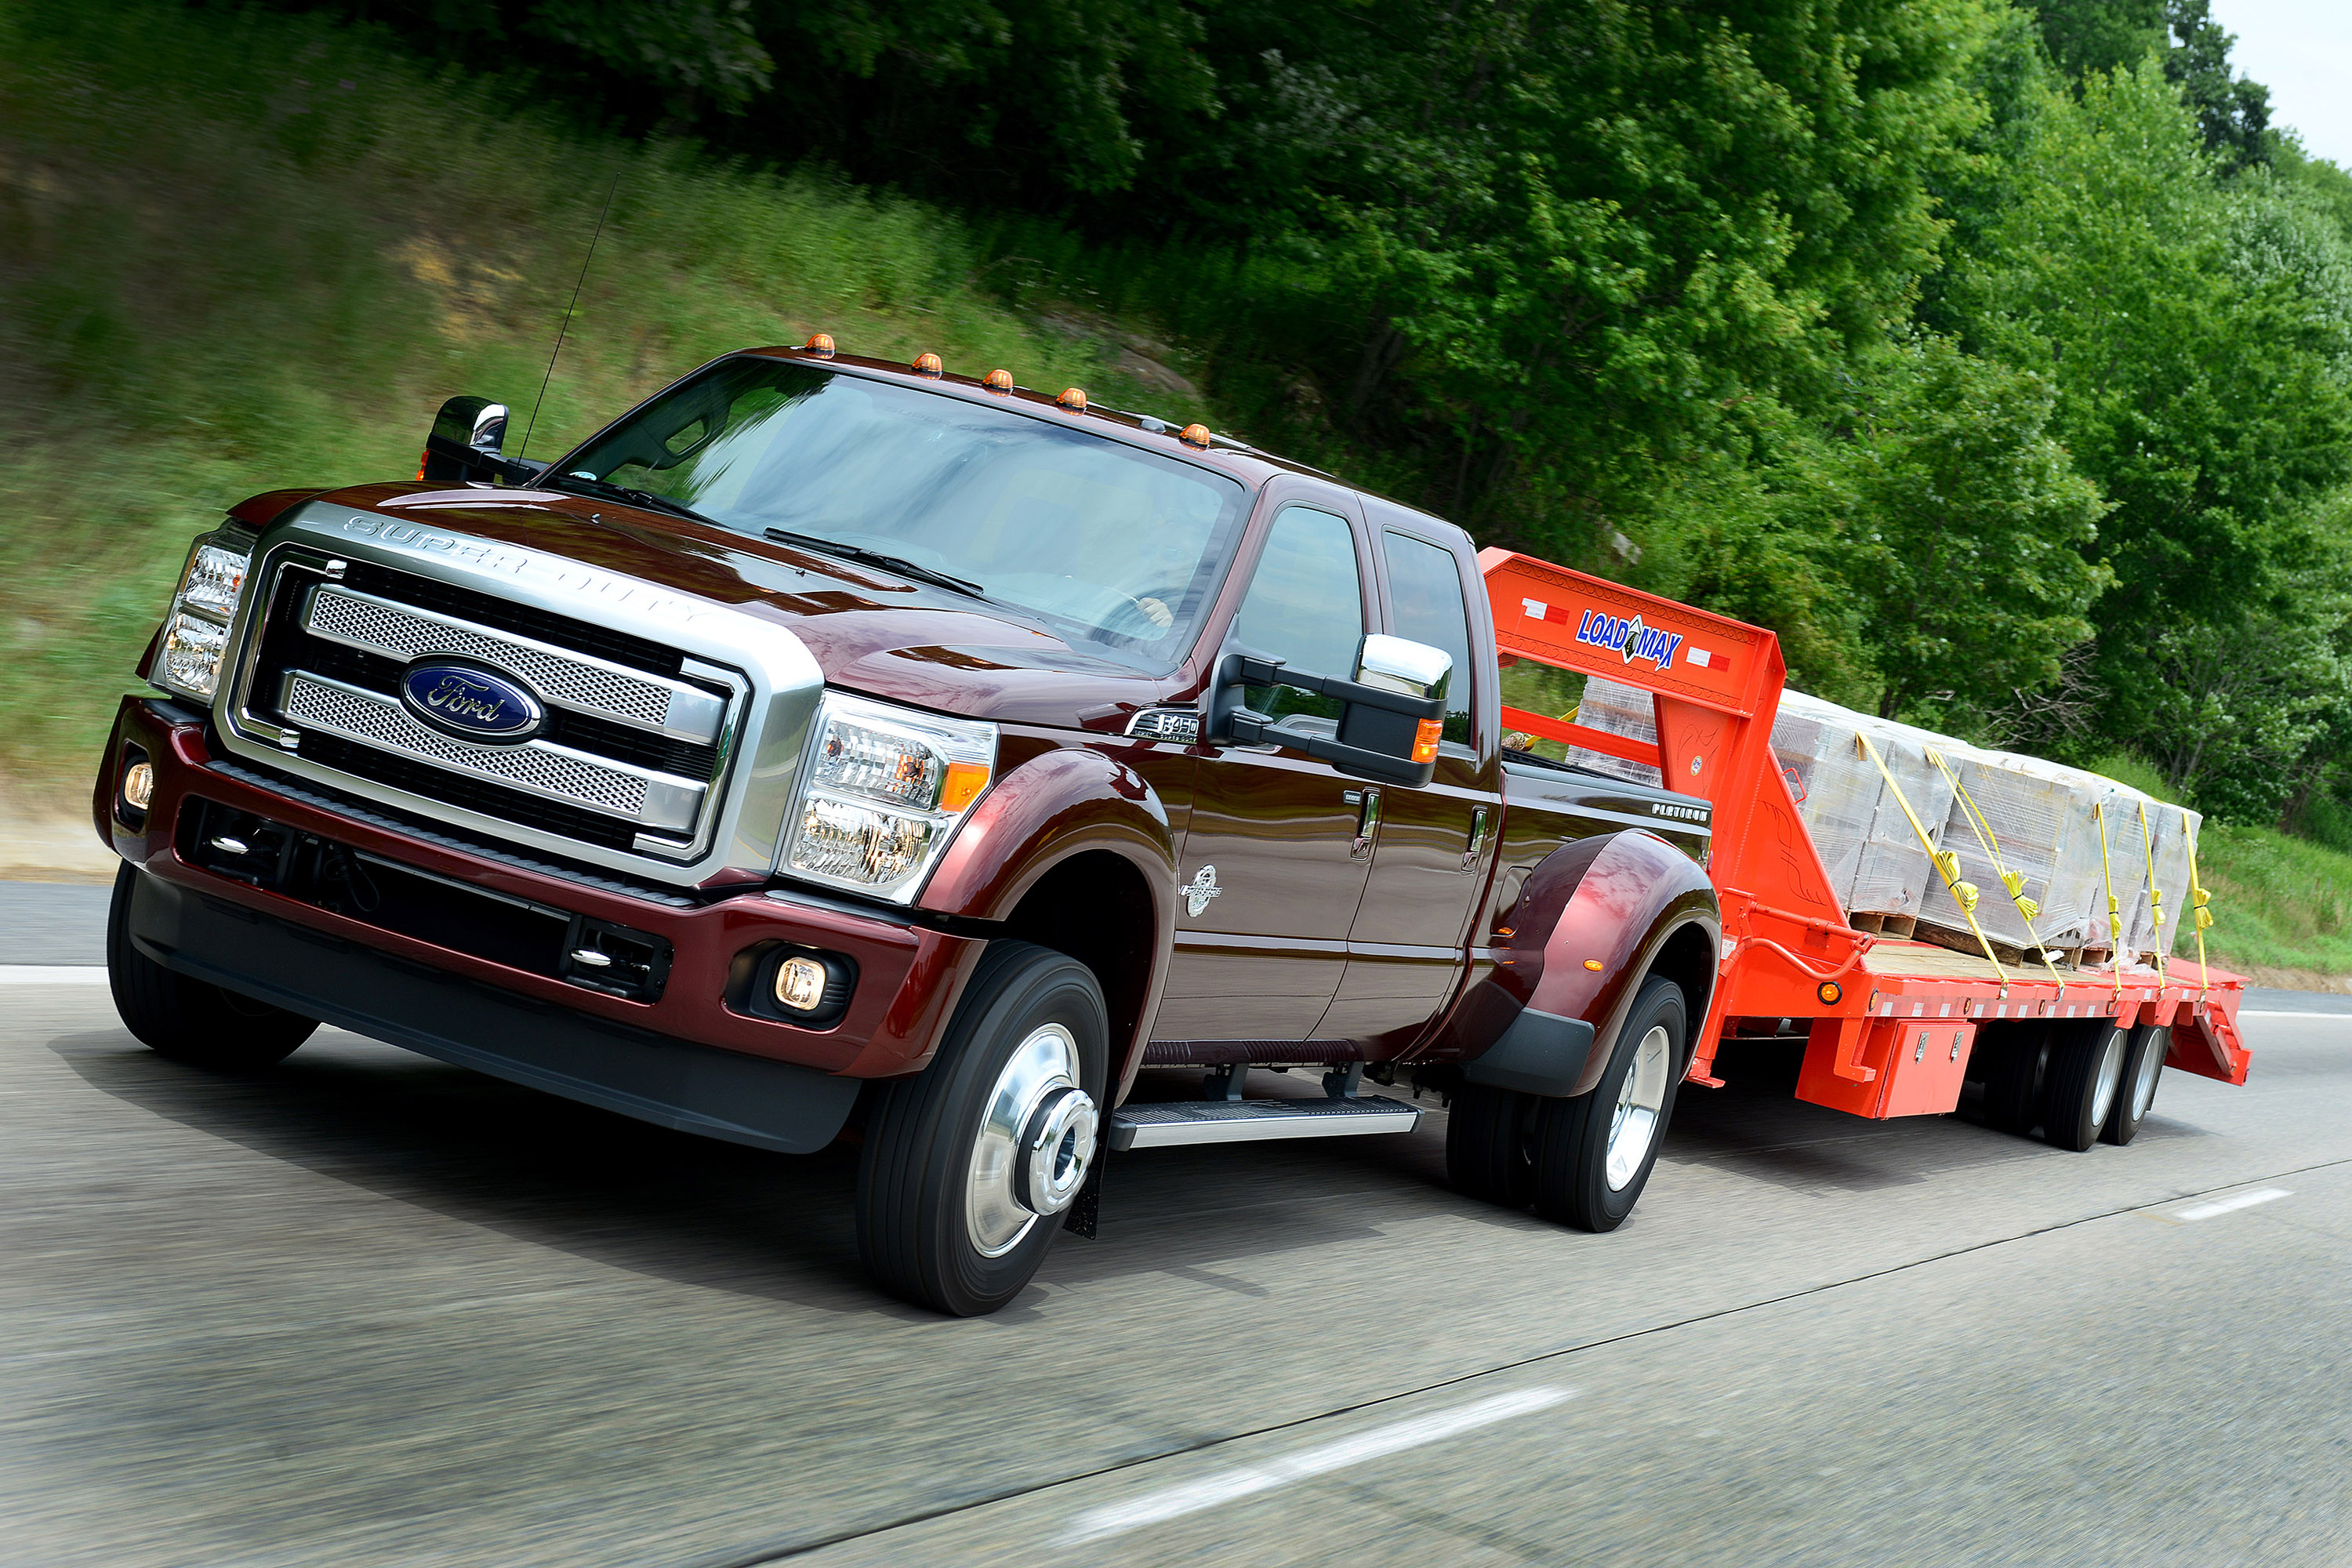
x=830, y=749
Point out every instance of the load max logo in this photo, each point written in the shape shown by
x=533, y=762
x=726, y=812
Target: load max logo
x=1630, y=637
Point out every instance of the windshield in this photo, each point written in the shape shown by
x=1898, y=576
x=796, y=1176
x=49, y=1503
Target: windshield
x=1119, y=547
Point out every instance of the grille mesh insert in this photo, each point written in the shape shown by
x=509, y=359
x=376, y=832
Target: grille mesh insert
x=405, y=637
x=379, y=722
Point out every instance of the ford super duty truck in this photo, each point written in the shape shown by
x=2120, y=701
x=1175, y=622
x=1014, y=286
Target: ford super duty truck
x=830, y=749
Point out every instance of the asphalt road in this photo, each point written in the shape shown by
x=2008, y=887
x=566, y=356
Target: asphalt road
x=368, y=1309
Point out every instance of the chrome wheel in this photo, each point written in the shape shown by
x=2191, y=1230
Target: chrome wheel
x=1036, y=1139
x=2111, y=1077
x=1639, y=1100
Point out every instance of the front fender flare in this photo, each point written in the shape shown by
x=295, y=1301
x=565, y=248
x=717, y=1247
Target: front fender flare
x=1590, y=927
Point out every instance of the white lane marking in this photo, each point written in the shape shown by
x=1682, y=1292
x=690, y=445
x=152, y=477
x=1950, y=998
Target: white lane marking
x=52, y=975
x=2223, y=1205
x=1172, y=1502
x=2253, y=1013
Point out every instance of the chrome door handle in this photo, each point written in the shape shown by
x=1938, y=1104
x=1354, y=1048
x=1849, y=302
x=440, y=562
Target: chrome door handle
x=1477, y=838
x=1367, y=823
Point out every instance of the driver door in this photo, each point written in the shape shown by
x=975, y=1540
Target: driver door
x=1273, y=865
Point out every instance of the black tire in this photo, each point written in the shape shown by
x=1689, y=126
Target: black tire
x=914, y=1229
x=190, y=1021
x=2086, y=1069
x=2012, y=1078
x=1489, y=1153
x=1573, y=1184
x=2150, y=1043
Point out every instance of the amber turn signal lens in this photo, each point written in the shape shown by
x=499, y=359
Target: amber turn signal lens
x=1072, y=398
x=800, y=983
x=962, y=786
x=819, y=344
x=138, y=785
x=1829, y=992
x=999, y=381
x=1425, y=736
x=422, y=458
x=1595, y=965
x=1196, y=436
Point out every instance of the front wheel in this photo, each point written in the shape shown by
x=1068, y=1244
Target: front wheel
x=190, y=1020
x=1593, y=1152
x=967, y=1164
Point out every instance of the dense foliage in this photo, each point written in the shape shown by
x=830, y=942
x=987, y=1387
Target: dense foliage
x=1999, y=357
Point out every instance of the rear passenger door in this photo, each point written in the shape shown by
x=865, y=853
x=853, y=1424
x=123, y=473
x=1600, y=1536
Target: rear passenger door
x=1271, y=869
x=1431, y=844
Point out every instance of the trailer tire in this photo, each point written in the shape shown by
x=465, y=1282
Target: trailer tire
x=2150, y=1043
x=1488, y=1144
x=1593, y=1152
x=188, y=1020
x=2013, y=1073
x=2086, y=1070
x=967, y=1164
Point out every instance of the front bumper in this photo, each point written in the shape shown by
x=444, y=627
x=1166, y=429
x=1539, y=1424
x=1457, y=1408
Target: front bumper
x=908, y=975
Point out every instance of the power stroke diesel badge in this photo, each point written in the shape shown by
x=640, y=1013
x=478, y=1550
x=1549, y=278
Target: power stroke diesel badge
x=470, y=701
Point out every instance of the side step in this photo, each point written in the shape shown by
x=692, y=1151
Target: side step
x=1161, y=1125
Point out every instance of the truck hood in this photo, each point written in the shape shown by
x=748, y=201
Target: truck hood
x=868, y=629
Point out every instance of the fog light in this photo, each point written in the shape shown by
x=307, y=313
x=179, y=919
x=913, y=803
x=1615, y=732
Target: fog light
x=800, y=983
x=138, y=785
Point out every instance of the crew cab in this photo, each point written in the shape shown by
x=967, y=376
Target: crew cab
x=835, y=749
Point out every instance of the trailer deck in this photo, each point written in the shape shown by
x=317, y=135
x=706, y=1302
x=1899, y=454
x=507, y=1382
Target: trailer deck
x=1892, y=1024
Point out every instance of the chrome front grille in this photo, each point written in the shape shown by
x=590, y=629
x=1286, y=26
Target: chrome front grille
x=657, y=802
x=567, y=679
x=675, y=725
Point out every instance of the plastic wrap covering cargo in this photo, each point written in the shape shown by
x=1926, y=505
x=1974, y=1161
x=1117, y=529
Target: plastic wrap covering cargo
x=2040, y=822
x=2174, y=832
x=1866, y=845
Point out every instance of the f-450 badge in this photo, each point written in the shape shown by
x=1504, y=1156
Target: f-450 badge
x=1200, y=891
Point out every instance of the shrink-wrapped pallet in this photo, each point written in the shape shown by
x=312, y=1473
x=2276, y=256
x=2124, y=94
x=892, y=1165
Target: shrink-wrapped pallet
x=1868, y=845
x=2172, y=831
x=1615, y=709
x=2037, y=817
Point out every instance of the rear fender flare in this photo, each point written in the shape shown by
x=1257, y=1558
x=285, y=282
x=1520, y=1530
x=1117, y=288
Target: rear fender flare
x=1595, y=920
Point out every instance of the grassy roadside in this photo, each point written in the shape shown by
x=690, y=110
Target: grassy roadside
x=239, y=251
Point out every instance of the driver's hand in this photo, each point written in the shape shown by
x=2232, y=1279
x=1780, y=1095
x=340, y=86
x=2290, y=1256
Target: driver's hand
x=1161, y=616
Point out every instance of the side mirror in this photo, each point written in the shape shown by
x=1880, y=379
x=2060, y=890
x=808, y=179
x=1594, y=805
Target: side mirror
x=1390, y=715
x=465, y=446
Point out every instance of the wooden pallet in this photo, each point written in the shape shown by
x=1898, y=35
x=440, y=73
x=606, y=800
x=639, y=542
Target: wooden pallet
x=1896, y=926
x=2008, y=953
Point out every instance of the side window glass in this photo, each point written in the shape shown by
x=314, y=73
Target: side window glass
x=1425, y=605
x=1305, y=607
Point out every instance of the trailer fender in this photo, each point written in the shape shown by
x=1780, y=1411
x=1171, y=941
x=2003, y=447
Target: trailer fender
x=1594, y=920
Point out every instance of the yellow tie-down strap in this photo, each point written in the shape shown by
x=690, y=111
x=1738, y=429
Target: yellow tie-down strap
x=1947, y=865
x=2013, y=881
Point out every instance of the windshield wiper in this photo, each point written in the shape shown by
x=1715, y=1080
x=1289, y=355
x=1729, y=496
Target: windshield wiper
x=898, y=563
x=587, y=486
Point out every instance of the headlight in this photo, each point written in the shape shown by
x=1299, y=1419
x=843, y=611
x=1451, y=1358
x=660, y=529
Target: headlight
x=196, y=633
x=882, y=793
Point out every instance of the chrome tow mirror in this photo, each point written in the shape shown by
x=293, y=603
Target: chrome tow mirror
x=467, y=446
x=1408, y=668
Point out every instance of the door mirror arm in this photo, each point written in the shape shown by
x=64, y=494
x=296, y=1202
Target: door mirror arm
x=1381, y=732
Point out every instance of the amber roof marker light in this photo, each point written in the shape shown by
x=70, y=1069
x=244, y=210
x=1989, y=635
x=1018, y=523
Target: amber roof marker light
x=998, y=381
x=1196, y=436
x=1072, y=398
x=819, y=344
x=929, y=364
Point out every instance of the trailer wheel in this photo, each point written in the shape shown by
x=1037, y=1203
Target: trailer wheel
x=2150, y=1042
x=188, y=1020
x=966, y=1164
x=1593, y=1152
x=2086, y=1068
x=2012, y=1070
x=1488, y=1144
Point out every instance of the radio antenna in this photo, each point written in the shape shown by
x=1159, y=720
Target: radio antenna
x=533, y=423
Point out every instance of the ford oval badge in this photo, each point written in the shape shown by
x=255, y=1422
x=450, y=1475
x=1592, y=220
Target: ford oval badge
x=468, y=700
